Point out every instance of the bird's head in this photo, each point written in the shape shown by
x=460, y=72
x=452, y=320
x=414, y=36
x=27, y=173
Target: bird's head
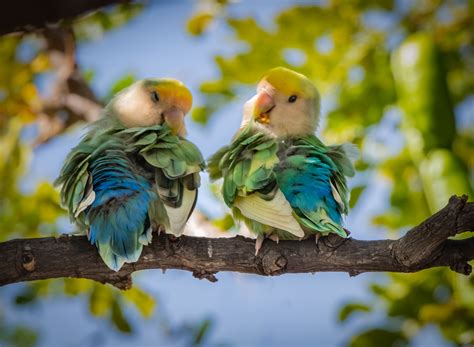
x=286, y=104
x=153, y=101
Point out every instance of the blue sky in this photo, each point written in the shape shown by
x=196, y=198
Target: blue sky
x=248, y=310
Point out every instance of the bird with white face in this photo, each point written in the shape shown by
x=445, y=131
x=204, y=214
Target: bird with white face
x=153, y=101
x=134, y=171
x=286, y=104
x=279, y=178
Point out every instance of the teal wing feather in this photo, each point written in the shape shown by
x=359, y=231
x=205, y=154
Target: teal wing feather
x=76, y=180
x=104, y=193
x=312, y=178
x=249, y=183
x=176, y=164
x=246, y=165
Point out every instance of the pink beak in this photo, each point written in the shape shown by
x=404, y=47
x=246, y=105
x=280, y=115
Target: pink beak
x=263, y=104
x=262, y=107
x=174, y=117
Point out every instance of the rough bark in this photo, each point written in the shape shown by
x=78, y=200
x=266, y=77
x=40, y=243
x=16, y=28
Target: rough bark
x=26, y=15
x=424, y=246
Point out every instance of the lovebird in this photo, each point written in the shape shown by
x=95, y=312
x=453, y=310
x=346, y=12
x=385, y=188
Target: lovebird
x=134, y=172
x=278, y=177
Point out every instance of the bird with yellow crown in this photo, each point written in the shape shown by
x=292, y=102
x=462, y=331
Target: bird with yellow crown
x=134, y=171
x=278, y=177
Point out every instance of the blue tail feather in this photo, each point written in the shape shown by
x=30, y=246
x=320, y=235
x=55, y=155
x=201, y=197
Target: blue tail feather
x=119, y=215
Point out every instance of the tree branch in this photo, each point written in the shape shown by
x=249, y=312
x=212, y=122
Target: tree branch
x=423, y=247
x=21, y=15
x=71, y=98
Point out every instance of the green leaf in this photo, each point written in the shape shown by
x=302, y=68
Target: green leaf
x=199, y=23
x=76, y=286
x=120, y=84
x=225, y=223
x=101, y=300
x=200, y=114
x=22, y=337
x=352, y=308
x=144, y=302
x=201, y=332
x=379, y=337
x=356, y=192
x=119, y=319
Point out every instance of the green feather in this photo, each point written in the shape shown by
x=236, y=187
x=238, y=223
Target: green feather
x=247, y=167
x=246, y=164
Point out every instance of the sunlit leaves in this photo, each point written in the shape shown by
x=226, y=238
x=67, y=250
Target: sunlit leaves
x=20, y=214
x=107, y=302
x=435, y=296
x=101, y=300
x=199, y=23
x=225, y=223
x=143, y=301
x=95, y=24
x=346, y=50
x=76, y=286
x=23, y=61
x=18, y=93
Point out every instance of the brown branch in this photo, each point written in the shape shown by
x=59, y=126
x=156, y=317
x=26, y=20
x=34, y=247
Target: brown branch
x=423, y=247
x=71, y=98
x=26, y=15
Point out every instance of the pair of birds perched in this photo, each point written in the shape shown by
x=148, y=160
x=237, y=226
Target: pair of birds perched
x=134, y=172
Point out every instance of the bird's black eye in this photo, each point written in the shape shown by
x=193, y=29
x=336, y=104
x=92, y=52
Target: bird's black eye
x=155, y=96
x=292, y=98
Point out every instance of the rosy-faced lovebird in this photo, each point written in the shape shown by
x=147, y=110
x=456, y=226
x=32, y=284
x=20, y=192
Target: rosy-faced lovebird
x=279, y=178
x=133, y=172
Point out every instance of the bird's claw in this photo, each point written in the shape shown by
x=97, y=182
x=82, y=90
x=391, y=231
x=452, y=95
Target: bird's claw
x=159, y=229
x=259, y=243
x=274, y=237
x=317, y=236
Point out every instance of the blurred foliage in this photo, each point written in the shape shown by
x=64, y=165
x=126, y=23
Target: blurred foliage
x=370, y=58
x=19, y=213
x=24, y=61
x=191, y=333
x=120, y=84
x=95, y=24
x=351, y=308
x=379, y=337
x=17, y=336
x=357, y=54
x=24, y=65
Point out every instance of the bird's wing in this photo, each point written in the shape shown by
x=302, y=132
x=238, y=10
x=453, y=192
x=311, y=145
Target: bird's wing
x=246, y=165
x=176, y=163
x=343, y=156
x=76, y=183
x=276, y=212
x=313, y=184
x=249, y=181
x=103, y=193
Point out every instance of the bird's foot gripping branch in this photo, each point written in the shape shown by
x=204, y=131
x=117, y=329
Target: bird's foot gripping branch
x=425, y=246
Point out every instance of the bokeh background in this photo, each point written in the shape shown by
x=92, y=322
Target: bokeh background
x=397, y=79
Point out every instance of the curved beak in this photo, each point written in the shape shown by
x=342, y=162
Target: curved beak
x=174, y=117
x=263, y=105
